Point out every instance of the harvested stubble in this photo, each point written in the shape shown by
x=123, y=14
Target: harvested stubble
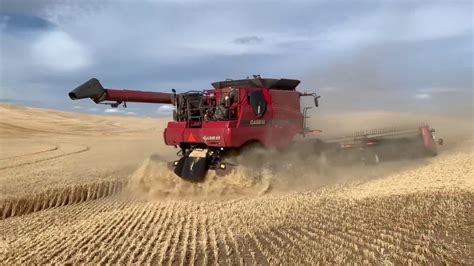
x=15, y=206
x=336, y=224
x=46, y=152
x=302, y=228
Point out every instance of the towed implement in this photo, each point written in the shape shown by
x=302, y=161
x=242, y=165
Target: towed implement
x=213, y=125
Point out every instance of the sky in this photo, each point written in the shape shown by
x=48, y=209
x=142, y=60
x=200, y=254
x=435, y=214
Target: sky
x=412, y=56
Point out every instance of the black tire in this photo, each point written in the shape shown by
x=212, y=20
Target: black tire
x=192, y=169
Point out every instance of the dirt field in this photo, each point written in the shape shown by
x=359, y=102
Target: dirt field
x=80, y=188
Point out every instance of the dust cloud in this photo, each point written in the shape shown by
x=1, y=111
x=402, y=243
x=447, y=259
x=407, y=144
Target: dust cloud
x=154, y=180
x=261, y=172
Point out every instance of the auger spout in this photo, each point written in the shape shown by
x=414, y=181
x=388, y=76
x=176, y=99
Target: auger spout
x=94, y=90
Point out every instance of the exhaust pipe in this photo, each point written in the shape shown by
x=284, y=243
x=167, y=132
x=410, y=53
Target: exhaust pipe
x=89, y=89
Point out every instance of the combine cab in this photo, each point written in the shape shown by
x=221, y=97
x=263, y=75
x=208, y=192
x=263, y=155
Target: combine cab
x=211, y=125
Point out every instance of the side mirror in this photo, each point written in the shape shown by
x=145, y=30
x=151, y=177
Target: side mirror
x=316, y=102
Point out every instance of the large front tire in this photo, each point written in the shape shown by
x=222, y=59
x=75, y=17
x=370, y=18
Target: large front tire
x=192, y=169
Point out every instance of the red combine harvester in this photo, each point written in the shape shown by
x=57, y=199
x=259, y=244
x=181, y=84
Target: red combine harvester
x=211, y=125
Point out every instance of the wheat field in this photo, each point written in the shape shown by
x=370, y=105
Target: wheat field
x=77, y=188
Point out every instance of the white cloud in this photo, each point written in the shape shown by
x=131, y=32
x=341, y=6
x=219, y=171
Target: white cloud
x=59, y=52
x=165, y=109
x=154, y=45
x=119, y=111
x=422, y=96
x=350, y=35
x=422, y=23
x=113, y=110
x=436, y=22
x=327, y=89
x=439, y=90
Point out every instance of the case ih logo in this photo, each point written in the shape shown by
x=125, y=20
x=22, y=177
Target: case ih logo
x=211, y=138
x=257, y=122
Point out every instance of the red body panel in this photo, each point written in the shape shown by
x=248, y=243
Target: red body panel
x=281, y=122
